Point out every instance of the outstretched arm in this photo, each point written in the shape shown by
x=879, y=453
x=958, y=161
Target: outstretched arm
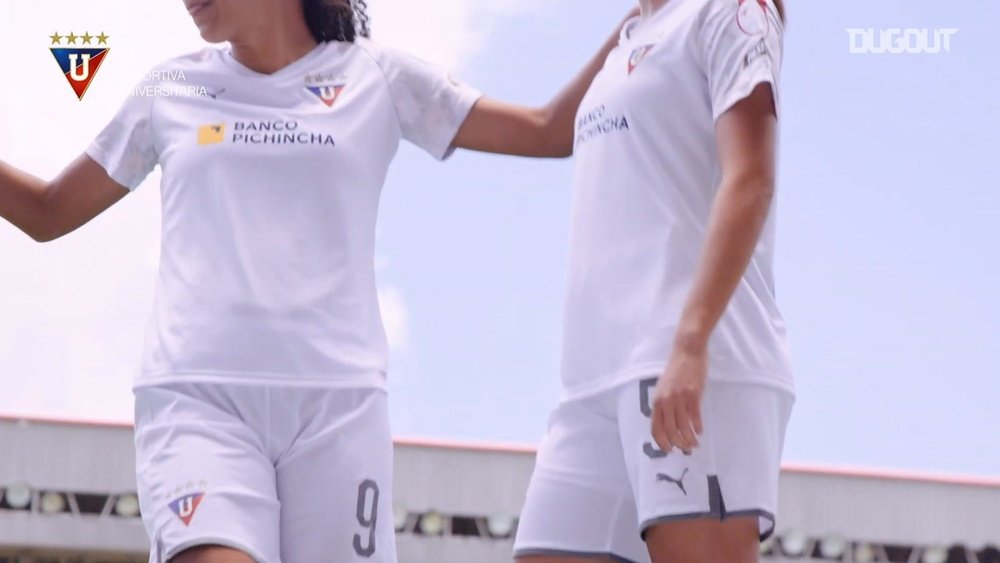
x=46, y=211
x=546, y=132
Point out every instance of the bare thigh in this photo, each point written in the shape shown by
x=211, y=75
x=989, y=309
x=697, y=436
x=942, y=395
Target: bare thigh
x=734, y=540
x=212, y=554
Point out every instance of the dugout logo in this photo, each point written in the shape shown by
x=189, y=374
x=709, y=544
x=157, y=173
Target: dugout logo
x=80, y=59
x=326, y=87
x=898, y=41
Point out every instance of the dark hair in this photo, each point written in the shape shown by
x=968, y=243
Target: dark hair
x=336, y=20
x=780, y=5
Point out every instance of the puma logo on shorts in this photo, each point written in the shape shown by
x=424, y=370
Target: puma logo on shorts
x=679, y=481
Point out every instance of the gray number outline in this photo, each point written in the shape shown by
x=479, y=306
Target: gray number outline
x=367, y=522
x=648, y=448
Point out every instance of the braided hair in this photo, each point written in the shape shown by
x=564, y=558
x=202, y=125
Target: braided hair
x=336, y=20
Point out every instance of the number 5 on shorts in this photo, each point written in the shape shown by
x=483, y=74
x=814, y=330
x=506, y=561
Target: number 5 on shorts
x=645, y=385
x=369, y=521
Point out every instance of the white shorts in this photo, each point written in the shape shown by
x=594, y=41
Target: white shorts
x=600, y=481
x=286, y=475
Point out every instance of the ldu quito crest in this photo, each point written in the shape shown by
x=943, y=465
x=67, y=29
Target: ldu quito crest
x=81, y=59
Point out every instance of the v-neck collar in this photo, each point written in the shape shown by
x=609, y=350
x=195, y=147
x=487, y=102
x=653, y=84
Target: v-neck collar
x=291, y=69
x=634, y=27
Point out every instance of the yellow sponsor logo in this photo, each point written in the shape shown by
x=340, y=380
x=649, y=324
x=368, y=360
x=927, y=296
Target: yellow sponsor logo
x=212, y=134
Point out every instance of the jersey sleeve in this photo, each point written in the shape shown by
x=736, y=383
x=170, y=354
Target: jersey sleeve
x=741, y=47
x=125, y=147
x=431, y=105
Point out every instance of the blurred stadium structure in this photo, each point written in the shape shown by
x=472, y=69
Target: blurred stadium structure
x=68, y=496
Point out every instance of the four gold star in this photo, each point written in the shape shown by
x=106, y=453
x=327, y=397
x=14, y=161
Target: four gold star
x=322, y=78
x=86, y=38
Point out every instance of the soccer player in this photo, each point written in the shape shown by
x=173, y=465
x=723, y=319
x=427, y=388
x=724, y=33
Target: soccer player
x=677, y=379
x=261, y=424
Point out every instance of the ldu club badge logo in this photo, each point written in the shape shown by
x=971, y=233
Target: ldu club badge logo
x=326, y=87
x=185, y=507
x=80, y=61
x=637, y=56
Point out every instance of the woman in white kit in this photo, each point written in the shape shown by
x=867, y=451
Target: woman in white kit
x=670, y=321
x=261, y=425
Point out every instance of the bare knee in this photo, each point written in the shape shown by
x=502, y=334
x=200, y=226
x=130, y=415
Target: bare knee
x=211, y=554
x=735, y=540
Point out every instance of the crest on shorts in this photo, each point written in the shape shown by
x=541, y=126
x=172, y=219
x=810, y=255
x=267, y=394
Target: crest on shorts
x=81, y=59
x=185, y=506
x=637, y=56
x=326, y=87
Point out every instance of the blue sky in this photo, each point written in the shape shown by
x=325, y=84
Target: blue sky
x=888, y=225
x=887, y=251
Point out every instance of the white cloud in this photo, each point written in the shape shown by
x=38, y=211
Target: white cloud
x=73, y=312
x=447, y=32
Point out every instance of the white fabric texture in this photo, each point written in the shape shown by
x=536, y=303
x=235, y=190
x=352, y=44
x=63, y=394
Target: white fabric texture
x=285, y=474
x=600, y=481
x=647, y=171
x=270, y=193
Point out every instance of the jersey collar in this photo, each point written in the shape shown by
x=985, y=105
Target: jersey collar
x=293, y=69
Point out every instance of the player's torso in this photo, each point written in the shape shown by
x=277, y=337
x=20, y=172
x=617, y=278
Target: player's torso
x=307, y=147
x=644, y=142
x=646, y=175
x=270, y=194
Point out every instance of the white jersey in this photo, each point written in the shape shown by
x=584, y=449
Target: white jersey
x=270, y=193
x=647, y=172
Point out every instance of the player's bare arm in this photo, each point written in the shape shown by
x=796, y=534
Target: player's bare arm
x=546, y=132
x=745, y=140
x=46, y=211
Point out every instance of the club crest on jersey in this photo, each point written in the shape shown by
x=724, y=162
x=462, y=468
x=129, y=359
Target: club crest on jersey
x=326, y=86
x=327, y=94
x=185, y=506
x=751, y=17
x=637, y=56
x=80, y=63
